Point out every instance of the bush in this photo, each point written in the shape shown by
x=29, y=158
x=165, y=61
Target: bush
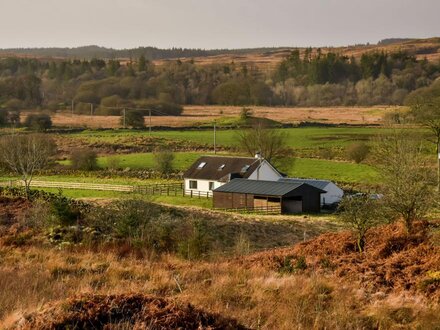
x=3, y=117
x=358, y=152
x=133, y=118
x=160, y=108
x=245, y=113
x=84, y=159
x=82, y=108
x=163, y=161
x=14, y=105
x=38, y=122
x=64, y=212
x=113, y=163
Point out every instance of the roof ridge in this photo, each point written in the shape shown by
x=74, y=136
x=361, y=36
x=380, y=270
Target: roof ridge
x=227, y=156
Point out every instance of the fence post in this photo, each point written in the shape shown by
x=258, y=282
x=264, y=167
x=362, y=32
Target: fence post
x=191, y=194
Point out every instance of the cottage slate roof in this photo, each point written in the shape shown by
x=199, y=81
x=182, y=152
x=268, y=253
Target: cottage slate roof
x=260, y=187
x=220, y=168
x=320, y=184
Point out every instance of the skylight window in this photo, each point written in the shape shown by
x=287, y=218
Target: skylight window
x=201, y=165
x=222, y=166
x=245, y=168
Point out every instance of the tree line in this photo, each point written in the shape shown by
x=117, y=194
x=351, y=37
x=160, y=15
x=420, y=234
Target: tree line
x=309, y=79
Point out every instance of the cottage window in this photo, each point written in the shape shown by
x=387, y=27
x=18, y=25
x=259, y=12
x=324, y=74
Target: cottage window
x=211, y=185
x=192, y=184
x=222, y=166
x=201, y=165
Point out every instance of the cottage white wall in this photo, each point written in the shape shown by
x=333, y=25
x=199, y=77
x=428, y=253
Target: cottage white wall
x=333, y=194
x=202, y=185
x=265, y=172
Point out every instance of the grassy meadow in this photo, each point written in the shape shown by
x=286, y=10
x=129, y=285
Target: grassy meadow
x=297, y=138
x=307, y=144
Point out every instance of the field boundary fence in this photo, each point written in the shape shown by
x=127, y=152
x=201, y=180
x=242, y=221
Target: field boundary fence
x=253, y=210
x=157, y=189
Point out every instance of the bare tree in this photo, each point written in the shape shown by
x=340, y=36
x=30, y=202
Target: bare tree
x=361, y=213
x=425, y=109
x=25, y=154
x=269, y=142
x=407, y=178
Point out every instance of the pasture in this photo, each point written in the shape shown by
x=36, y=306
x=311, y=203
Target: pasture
x=297, y=138
x=196, y=116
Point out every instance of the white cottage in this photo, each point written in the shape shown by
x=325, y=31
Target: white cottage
x=211, y=172
x=333, y=194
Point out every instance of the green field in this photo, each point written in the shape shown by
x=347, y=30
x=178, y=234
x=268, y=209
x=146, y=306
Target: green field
x=182, y=160
x=296, y=167
x=343, y=172
x=96, y=194
x=307, y=137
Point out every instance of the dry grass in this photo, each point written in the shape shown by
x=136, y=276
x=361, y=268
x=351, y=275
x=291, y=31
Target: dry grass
x=256, y=296
x=196, y=115
x=249, y=289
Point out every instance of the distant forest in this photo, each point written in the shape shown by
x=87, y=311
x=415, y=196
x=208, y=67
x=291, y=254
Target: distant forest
x=150, y=53
x=310, y=78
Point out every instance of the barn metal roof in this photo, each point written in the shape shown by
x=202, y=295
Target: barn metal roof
x=320, y=184
x=259, y=187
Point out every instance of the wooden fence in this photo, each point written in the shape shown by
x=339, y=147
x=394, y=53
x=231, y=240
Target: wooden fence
x=78, y=185
x=198, y=194
x=168, y=189
x=254, y=210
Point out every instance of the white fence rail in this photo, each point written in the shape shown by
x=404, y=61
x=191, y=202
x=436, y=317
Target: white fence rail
x=75, y=185
x=172, y=189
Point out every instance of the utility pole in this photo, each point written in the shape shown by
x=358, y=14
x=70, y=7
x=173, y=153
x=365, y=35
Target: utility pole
x=215, y=138
x=71, y=110
x=123, y=113
x=149, y=122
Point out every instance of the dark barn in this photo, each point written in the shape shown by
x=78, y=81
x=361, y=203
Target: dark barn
x=288, y=197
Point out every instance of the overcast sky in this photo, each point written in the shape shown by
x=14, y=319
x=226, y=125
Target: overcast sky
x=212, y=23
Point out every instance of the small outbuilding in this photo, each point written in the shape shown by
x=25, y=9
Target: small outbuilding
x=333, y=194
x=286, y=197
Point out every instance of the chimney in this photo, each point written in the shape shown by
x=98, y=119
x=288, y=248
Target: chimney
x=258, y=155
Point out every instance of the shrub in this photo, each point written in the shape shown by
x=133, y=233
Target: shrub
x=38, y=122
x=326, y=153
x=3, y=117
x=64, y=212
x=133, y=118
x=358, y=152
x=82, y=108
x=161, y=108
x=198, y=243
x=113, y=163
x=14, y=117
x=84, y=159
x=360, y=213
x=245, y=113
x=163, y=160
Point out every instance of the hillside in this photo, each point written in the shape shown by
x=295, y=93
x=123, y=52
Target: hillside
x=266, y=57
x=323, y=281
